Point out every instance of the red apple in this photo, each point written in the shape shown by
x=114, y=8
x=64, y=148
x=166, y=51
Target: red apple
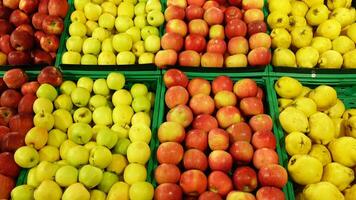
x=273, y=175
x=264, y=157
x=172, y=41
x=238, y=45
x=245, y=88
x=199, y=86
x=240, y=131
x=6, y=185
x=37, y=19
x=41, y=57
x=21, y=40
x=5, y=27
x=202, y=104
x=177, y=26
x=218, y=139
x=260, y=40
x=261, y=122
x=253, y=15
x=58, y=8
x=199, y=3
x=21, y=123
x=10, y=98
x=264, y=139
x=238, y=195
x=171, y=132
x=5, y=115
x=250, y=4
x=25, y=27
x=212, y=60
x=193, y=182
x=19, y=58
x=251, y=106
x=220, y=183
x=221, y=83
x=175, y=77
x=165, y=58
x=270, y=193
x=235, y=2
x=49, y=43
x=205, y=122
x=170, y=153
x=3, y=131
x=167, y=173
x=3, y=86
x=228, y=116
x=5, y=11
x=38, y=35
x=26, y=103
x=260, y=94
x=256, y=27
x=30, y=87
x=8, y=166
x=208, y=195
x=220, y=160
x=13, y=4
x=210, y=4
x=213, y=16
x=195, y=42
x=242, y=152
x=43, y=6
x=181, y=114
x=179, y=3
x=234, y=28
x=194, y=12
x=198, y=27
x=260, y=56
x=18, y=17
x=174, y=12
x=168, y=191
x=195, y=159
x=15, y=78
x=216, y=46
x=28, y=6
x=50, y=75
x=176, y=95
x=12, y=141
x=189, y=58
x=52, y=25
x=5, y=44
x=232, y=12
x=225, y=98
x=245, y=179
x=196, y=139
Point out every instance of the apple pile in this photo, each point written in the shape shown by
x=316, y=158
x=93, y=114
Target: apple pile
x=313, y=33
x=214, y=34
x=30, y=30
x=88, y=142
x=217, y=142
x=114, y=32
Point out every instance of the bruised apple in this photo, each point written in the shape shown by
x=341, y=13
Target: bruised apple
x=170, y=153
x=196, y=139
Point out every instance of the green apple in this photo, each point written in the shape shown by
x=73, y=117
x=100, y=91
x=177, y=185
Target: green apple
x=140, y=21
x=103, y=115
x=42, y=105
x=63, y=101
x=22, y=192
x=122, y=114
x=123, y=23
x=152, y=43
x=140, y=8
x=138, y=89
x=155, y=18
x=47, y=91
x=107, y=138
x=85, y=82
x=140, y=132
x=141, y=118
x=31, y=178
x=80, y=133
x=92, y=11
x=71, y=57
x=44, y=120
x=48, y=189
x=149, y=30
x=107, y=181
x=91, y=46
x=135, y=33
x=106, y=45
x=146, y=58
x=64, y=148
x=141, y=190
x=107, y=21
x=90, y=27
x=138, y=152
x=66, y=175
x=109, y=7
x=67, y=86
x=101, y=33
x=83, y=115
x=118, y=164
x=151, y=96
x=121, y=146
x=152, y=5
x=121, y=97
x=100, y=87
x=138, y=48
x=134, y=173
x=46, y=171
x=80, y=97
x=76, y=191
x=62, y=119
x=122, y=42
x=56, y=137
x=74, y=43
x=78, y=16
x=100, y=156
x=77, y=156
x=125, y=58
x=89, y=59
x=122, y=132
x=49, y=153
x=119, y=190
x=97, y=101
x=116, y=2
x=90, y=176
x=26, y=157
x=79, y=4
x=77, y=29
x=106, y=58
x=97, y=195
x=36, y=137
x=90, y=145
x=115, y=80
x=126, y=9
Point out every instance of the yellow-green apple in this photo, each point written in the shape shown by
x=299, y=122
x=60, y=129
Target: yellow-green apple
x=107, y=181
x=76, y=191
x=176, y=95
x=44, y=120
x=90, y=26
x=251, y=4
x=199, y=86
x=251, y=106
x=259, y=40
x=196, y=139
x=115, y=81
x=36, y=137
x=62, y=119
x=118, y=163
x=260, y=56
x=48, y=189
x=97, y=195
x=42, y=105
x=242, y=152
x=193, y=182
x=149, y=30
x=261, y=122
x=91, y=46
x=134, y=173
x=80, y=133
x=165, y=58
x=256, y=27
x=126, y=9
x=138, y=152
x=195, y=42
x=119, y=190
x=220, y=182
x=235, y=195
x=195, y=159
x=64, y=148
x=86, y=83
x=125, y=58
x=167, y=173
x=66, y=176
x=141, y=190
x=202, y=104
x=8, y=165
x=77, y=156
x=181, y=114
x=273, y=175
x=171, y=132
x=168, y=191
x=121, y=97
x=205, y=122
x=170, y=153
x=140, y=8
x=194, y=12
x=220, y=160
x=177, y=26
x=174, y=12
x=107, y=138
x=46, y=171
x=80, y=96
x=22, y=192
x=228, y=116
x=77, y=29
x=175, y=77
x=107, y=21
x=155, y=18
x=77, y=16
x=49, y=153
x=189, y=58
x=100, y=34
x=225, y=98
x=140, y=21
x=245, y=179
x=63, y=101
x=47, y=91
x=71, y=57
x=7, y=184
x=179, y=3
x=92, y=11
x=152, y=43
x=152, y=5
x=213, y=16
x=140, y=132
x=100, y=87
x=90, y=176
x=212, y=60
x=232, y=12
x=124, y=40
x=245, y=88
x=217, y=32
x=216, y=46
x=221, y=83
x=237, y=60
x=146, y=58
x=198, y=27
x=253, y=15
x=172, y=41
x=100, y=156
x=106, y=45
x=123, y=23
x=218, y=139
x=269, y=192
x=31, y=177
x=240, y=131
x=135, y=34
x=138, y=89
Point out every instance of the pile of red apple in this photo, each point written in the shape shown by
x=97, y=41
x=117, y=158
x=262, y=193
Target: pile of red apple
x=217, y=142
x=30, y=30
x=17, y=96
x=230, y=33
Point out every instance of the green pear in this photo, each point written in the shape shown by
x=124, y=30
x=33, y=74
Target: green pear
x=322, y=191
x=48, y=189
x=338, y=175
x=293, y=119
x=305, y=175
x=324, y=96
x=22, y=192
x=343, y=151
x=76, y=191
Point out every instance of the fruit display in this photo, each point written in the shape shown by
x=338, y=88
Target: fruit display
x=113, y=32
x=217, y=142
x=30, y=31
x=319, y=133
x=311, y=33
x=214, y=34
x=90, y=140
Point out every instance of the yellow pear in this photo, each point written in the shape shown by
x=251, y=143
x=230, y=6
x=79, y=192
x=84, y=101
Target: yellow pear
x=348, y=3
x=317, y=14
x=322, y=128
x=350, y=193
x=284, y=103
x=299, y=8
x=324, y=96
x=311, y=3
x=330, y=59
x=296, y=21
x=280, y=38
x=351, y=32
x=293, y=119
x=287, y=87
x=283, y=57
x=349, y=113
x=307, y=57
x=337, y=110
x=305, y=175
x=279, y=6
x=306, y=105
x=344, y=16
x=321, y=44
x=350, y=125
x=338, y=175
x=349, y=59
x=343, y=151
x=330, y=28
x=302, y=36
x=339, y=125
x=322, y=191
x=297, y=143
x=278, y=20
x=333, y=4
x=321, y=153
x=343, y=44
x=305, y=92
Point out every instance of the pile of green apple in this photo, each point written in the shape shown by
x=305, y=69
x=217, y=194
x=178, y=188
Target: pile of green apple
x=88, y=142
x=114, y=32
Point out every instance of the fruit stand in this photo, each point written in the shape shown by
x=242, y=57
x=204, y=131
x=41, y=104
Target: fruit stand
x=177, y=99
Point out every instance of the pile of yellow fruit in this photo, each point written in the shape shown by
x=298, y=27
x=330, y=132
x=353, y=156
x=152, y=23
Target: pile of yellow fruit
x=308, y=34
x=320, y=138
